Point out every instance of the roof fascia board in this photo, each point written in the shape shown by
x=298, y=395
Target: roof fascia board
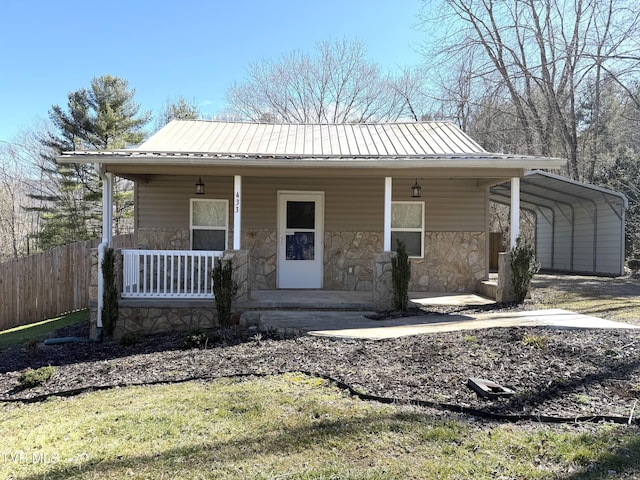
x=395, y=162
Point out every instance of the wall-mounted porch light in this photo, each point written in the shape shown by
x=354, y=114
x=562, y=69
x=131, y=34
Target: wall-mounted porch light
x=416, y=190
x=200, y=187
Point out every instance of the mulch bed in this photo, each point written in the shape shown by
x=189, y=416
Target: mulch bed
x=564, y=373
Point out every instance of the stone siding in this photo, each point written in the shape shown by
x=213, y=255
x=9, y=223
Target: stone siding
x=156, y=319
x=383, y=281
x=348, y=260
x=505, y=291
x=263, y=247
x=453, y=262
x=240, y=261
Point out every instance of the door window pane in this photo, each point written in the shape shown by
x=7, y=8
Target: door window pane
x=301, y=246
x=301, y=215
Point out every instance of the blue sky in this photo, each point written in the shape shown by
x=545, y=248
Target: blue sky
x=165, y=49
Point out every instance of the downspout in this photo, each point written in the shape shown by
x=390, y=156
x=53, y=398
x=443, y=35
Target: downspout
x=107, y=211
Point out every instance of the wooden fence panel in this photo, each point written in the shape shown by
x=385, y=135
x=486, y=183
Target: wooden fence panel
x=48, y=284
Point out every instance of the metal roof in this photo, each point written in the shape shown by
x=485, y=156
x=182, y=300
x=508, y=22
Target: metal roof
x=538, y=188
x=316, y=140
x=408, y=145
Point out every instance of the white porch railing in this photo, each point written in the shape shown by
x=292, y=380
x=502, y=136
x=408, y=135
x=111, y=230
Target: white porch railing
x=168, y=273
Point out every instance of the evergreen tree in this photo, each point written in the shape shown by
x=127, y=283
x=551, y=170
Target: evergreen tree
x=178, y=109
x=101, y=117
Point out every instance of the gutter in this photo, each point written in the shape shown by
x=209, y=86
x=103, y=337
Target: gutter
x=107, y=211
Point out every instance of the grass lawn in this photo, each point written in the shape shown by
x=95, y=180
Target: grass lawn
x=35, y=332
x=617, y=308
x=289, y=427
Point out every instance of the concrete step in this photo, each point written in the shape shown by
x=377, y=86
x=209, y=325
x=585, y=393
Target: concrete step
x=488, y=288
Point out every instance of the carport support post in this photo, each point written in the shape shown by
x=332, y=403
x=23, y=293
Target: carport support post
x=515, y=210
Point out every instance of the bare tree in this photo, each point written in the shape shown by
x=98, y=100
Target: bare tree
x=18, y=177
x=545, y=52
x=337, y=85
x=409, y=93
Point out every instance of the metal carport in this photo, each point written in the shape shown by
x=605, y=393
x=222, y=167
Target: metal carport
x=579, y=227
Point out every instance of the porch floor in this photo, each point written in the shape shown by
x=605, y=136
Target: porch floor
x=347, y=300
x=311, y=299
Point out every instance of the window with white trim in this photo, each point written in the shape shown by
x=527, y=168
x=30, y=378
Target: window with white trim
x=209, y=224
x=407, y=225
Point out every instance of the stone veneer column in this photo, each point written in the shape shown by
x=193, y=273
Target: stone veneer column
x=382, y=281
x=240, y=259
x=505, y=292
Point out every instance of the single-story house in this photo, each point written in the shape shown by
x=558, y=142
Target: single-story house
x=304, y=207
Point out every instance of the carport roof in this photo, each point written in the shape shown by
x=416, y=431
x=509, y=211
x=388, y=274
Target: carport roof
x=544, y=189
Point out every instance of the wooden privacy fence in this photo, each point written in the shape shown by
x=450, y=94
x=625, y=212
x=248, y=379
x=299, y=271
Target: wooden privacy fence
x=48, y=284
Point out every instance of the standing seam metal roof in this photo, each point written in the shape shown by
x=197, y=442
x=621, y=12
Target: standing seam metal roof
x=344, y=140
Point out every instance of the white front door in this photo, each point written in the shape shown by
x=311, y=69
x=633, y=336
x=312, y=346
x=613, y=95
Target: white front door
x=300, y=239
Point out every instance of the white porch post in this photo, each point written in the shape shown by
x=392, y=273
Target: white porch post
x=107, y=209
x=107, y=233
x=237, y=211
x=388, y=188
x=515, y=210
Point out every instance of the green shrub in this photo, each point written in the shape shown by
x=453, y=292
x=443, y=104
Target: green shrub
x=197, y=339
x=130, y=338
x=400, y=273
x=110, y=295
x=224, y=289
x=33, y=378
x=535, y=341
x=523, y=267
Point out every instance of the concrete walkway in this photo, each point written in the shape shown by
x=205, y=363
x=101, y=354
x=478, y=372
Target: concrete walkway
x=347, y=324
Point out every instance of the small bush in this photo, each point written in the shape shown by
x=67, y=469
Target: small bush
x=536, y=341
x=197, y=339
x=400, y=274
x=130, y=338
x=110, y=297
x=523, y=266
x=224, y=289
x=33, y=378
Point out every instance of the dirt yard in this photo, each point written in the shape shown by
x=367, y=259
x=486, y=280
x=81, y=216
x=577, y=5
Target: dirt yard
x=562, y=373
